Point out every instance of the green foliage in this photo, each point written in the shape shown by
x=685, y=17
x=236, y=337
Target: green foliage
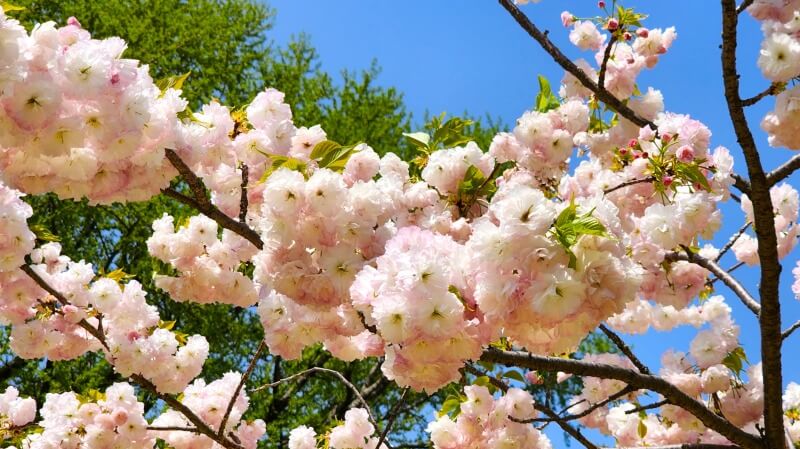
x=569, y=227
x=546, y=99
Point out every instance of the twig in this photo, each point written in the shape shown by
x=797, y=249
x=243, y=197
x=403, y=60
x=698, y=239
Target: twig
x=245, y=376
x=601, y=78
x=785, y=334
x=726, y=278
x=744, y=6
x=732, y=241
x=573, y=432
x=172, y=429
x=328, y=371
x=625, y=349
x=647, y=407
x=773, y=89
x=629, y=183
x=243, y=198
x=733, y=268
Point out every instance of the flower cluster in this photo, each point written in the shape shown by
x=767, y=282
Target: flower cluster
x=488, y=422
x=111, y=419
x=357, y=432
x=16, y=240
x=79, y=120
x=15, y=411
x=210, y=403
x=43, y=326
x=207, y=264
x=419, y=300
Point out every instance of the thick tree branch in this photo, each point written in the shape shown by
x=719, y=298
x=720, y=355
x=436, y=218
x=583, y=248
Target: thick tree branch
x=764, y=222
x=721, y=274
x=201, y=203
x=632, y=378
x=602, y=94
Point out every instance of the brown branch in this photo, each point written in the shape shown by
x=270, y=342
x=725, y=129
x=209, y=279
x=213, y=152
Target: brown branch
x=740, y=183
x=601, y=77
x=743, y=6
x=618, y=395
x=642, y=408
x=632, y=378
x=625, y=349
x=733, y=268
x=391, y=417
x=172, y=429
x=573, y=432
x=682, y=446
x=201, y=203
x=732, y=241
x=243, y=198
x=629, y=183
x=602, y=94
x=721, y=274
x=784, y=171
x=785, y=334
x=245, y=376
x=764, y=223
x=773, y=89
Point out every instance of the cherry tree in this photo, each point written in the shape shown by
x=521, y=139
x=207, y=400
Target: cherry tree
x=461, y=266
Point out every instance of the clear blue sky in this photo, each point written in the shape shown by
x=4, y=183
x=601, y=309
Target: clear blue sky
x=458, y=56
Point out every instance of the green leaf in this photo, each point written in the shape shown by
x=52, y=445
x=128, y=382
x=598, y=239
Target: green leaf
x=172, y=82
x=450, y=406
x=545, y=99
x=168, y=325
x=484, y=381
x=336, y=159
x=569, y=227
x=324, y=148
x=119, y=275
x=43, y=233
x=418, y=139
x=472, y=182
x=641, y=429
x=515, y=375
x=735, y=360
x=280, y=161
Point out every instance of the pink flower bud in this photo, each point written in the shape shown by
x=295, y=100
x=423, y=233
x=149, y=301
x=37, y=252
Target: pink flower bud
x=642, y=32
x=72, y=21
x=632, y=143
x=562, y=376
x=667, y=180
x=601, y=4
x=666, y=137
x=685, y=154
x=645, y=154
x=630, y=60
x=612, y=24
x=533, y=377
x=72, y=314
x=627, y=36
x=105, y=421
x=120, y=416
x=567, y=19
x=623, y=151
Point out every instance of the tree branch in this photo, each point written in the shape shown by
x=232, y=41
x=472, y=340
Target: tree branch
x=721, y=274
x=764, y=223
x=731, y=241
x=243, y=198
x=201, y=203
x=784, y=171
x=245, y=376
x=785, y=334
x=773, y=89
x=573, y=432
x=562, y=60
x=625, y=349
x=629, y=183
x=391, y=416
x=630, y=377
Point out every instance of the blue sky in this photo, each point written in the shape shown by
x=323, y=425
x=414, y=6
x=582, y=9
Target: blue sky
x=471, y=56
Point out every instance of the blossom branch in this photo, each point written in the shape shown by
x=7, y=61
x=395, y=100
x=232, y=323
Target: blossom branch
x=642, y=408
x=391, y=417
x=573, y=432
x=601, y=77
x=200, y=425
x=764, y=222
x=721, y=274
x=201, y=203
x=245, y=376
x=632, y=378
x=559, y=57
x=625, y=349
